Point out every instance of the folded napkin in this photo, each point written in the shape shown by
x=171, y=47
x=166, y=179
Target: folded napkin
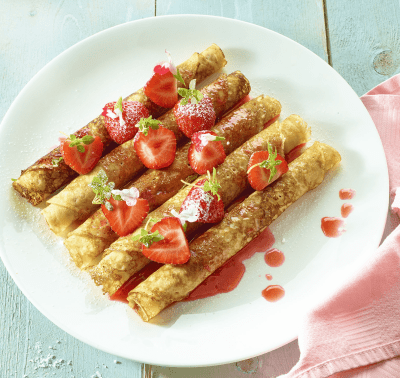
x=356, y=332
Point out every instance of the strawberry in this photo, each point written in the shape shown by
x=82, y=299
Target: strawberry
x=82, y=154
x=125, y=219
x=154, y=144
x=209, y=207
x=162, y=86
x=121, y=117
x=194, y=112
x=265, y=167
x=206, y=151
x=172, y=246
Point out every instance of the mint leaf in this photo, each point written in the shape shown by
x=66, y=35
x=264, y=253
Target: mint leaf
x=79, y=142
x=218, y=138
x=118, y=104
x=179, y=77
x=147, y=238
x=102, y=189
x=191, y=94
x=55, y=162
x=13, y=179
x=145, y=123
x=211, y=184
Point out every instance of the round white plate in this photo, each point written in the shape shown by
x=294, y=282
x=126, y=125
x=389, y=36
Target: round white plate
x=72, y=89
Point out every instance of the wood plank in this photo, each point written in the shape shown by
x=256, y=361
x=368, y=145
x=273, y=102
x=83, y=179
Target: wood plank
x=302, y=21
x=31, y=34
x=364, y=40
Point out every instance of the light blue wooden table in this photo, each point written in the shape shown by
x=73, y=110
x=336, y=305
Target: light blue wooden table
x=360, y=39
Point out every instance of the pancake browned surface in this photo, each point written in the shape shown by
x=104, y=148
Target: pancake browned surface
x=172, y=283
x=42, y=178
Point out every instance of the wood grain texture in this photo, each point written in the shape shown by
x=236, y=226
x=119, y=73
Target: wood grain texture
x=31, y=34
x=302, y=21
x=365, y=41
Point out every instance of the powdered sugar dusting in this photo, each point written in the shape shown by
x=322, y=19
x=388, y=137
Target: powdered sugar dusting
x=203, y=109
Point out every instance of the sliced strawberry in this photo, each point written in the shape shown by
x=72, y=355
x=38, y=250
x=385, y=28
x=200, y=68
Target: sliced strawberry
x=260, y=177
x=194, y=117
x=204, y=152
x=125, y=219
x=82, y=154
x=162, y=87
x=157, y=149
x=132, y=112
x=174, y=248
x=209, y=208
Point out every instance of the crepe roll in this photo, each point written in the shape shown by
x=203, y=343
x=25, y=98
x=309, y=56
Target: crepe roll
x=42, y=178
x=74, y=202
x=158, y=185
x=124, y=257
x=172, y=283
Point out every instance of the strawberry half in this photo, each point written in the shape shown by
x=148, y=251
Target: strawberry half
x=209, y=208
x=205, y=152
x=162, y=87
x=82, y=154
x=265, y=167
x=173, y=248
x=132, y=112
x=157, y=149
x=125, y=219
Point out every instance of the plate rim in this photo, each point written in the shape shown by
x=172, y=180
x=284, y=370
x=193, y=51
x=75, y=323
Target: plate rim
x=60, y=56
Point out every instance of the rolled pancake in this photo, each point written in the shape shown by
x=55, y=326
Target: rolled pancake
x=124, y=257
x=172, y=283
x=42, y=178
x=121, y=165
x=90, y=239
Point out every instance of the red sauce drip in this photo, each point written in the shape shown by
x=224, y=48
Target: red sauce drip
x=271, y=121
x=346, y=209
x=294, y=153
x=273, y=293
x=332, y=227
x=268, y=277
x=346, y=194
x=121, y=294
x=274, y=258
x=228, y=276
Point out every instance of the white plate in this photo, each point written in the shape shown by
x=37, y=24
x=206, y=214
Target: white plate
x=71, y=90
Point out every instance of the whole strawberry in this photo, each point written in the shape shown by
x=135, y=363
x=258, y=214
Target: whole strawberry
x=194, y=112
x=121, y=117
x=203, y=200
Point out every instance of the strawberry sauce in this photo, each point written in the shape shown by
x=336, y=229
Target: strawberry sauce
x=274, y=258
x=346, y=194
x=268, y=277
x=273, y=293
x=227, y=277
x=346, y=209
x=332, y=227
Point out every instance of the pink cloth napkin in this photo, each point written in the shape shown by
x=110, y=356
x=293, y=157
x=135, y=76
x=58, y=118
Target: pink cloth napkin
x=356, y=332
